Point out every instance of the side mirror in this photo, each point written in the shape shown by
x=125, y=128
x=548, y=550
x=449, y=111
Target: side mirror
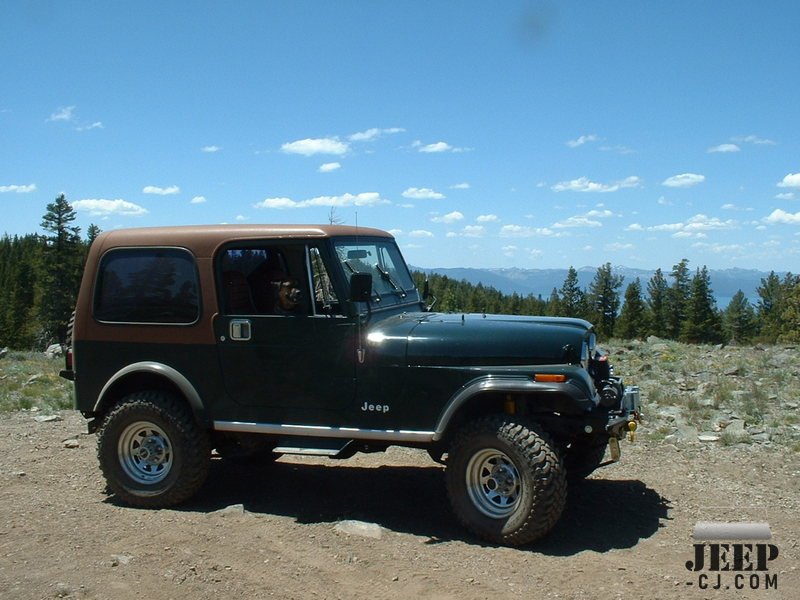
x=360, y=287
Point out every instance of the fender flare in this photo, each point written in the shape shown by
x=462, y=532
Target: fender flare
x=155, y=368
x=507, y=385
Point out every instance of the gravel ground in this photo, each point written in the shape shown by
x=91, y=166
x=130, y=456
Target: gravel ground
x=285, y=531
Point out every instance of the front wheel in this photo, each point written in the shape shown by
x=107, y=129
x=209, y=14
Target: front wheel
x=151, y=451
x=505, y=481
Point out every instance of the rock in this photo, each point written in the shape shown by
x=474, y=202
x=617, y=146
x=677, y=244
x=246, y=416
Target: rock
x=687, y=433
x=32, y=379
x=47, y=418
x=3, y=352
x=732, y=372
x=736, y=426
x=233, y=509
x=760, y=437
x=54, y=351
x=120, y=559
x=670, y=413
x=708, y=437
x=72, y=443
x=653, y=339
x=360, y=528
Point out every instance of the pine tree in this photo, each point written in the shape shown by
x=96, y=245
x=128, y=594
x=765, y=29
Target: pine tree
x=61, y=275
x=790, y=314
x=553, y=305
x=677, y=299
x=770, y=307
x=91, y=233
x=657, y=291
x=603, y=300
x=702, y=323
x=739, y=319
x=633, y=317
x=572, y=300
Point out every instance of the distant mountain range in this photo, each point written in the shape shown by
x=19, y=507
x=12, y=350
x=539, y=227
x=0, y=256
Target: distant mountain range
x=540, y=282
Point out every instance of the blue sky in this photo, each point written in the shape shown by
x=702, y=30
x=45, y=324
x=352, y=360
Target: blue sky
x=482, y=134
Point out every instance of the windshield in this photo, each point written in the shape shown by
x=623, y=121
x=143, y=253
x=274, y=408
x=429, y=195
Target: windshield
x=383, y=261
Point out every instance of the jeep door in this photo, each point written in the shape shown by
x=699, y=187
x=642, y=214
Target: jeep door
x=287, y=353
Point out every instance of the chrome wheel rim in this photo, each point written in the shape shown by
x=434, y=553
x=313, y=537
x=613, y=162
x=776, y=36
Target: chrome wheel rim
x=145, y=453
x=493, y=483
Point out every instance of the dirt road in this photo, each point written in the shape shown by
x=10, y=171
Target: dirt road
x=626, y=532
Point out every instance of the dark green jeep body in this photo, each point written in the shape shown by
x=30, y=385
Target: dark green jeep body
x=265, y=340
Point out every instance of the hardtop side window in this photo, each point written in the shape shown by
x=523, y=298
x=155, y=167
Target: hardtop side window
x=147, y=285
x=263, y=279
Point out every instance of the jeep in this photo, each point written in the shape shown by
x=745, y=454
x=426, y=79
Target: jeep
x=263, y=340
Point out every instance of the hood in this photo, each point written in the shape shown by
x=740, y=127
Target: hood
x=427, y=339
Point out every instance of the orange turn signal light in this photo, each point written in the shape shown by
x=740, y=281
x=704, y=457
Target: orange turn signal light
x=549, y=378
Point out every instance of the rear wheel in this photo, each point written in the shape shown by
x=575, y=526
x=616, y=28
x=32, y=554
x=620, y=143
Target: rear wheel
x=505, y=481
x=151, y=451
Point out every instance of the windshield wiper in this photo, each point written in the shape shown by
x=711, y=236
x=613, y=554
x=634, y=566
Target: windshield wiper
x=387, y=277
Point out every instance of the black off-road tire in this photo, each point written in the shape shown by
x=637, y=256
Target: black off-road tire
x=581, y=460
x=505, y=480
x=151, y=451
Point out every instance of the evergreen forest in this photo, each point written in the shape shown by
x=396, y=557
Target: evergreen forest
x=40, y=274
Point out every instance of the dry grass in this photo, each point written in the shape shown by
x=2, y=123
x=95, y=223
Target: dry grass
x=28, y=381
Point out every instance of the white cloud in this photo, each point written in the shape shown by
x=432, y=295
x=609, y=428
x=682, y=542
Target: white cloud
x=634, y=227
x=18, y=189
x=785, y=196
x=487, y=219
x=63, y=113
x=583, y=184
x=754, y=139
x=684, y=180
x=724, y=148
x=198, y=200
x=362, y=199
x=422, y=194
x=328, y=167
x=781, y=216
x=703, y=223
x=792, y=180
x=436, y=147
x=473, y=231
x=241, y=218
x=312, y=146
x=719, y=248
x=89, y=126
x=577, y=221
x=449, y=217
x=584, y=139
x=107, y=208
x=664, y=202
x=210, y=149
x=460, y=186
x=695, y=226
x=373, y=133
x=522, y=231
x=159, y=191
x=421, y=233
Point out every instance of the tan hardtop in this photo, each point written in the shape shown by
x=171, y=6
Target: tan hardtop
x=203, y=240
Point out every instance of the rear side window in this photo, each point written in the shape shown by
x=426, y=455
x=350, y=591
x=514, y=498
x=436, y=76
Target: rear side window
x=147, y=285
